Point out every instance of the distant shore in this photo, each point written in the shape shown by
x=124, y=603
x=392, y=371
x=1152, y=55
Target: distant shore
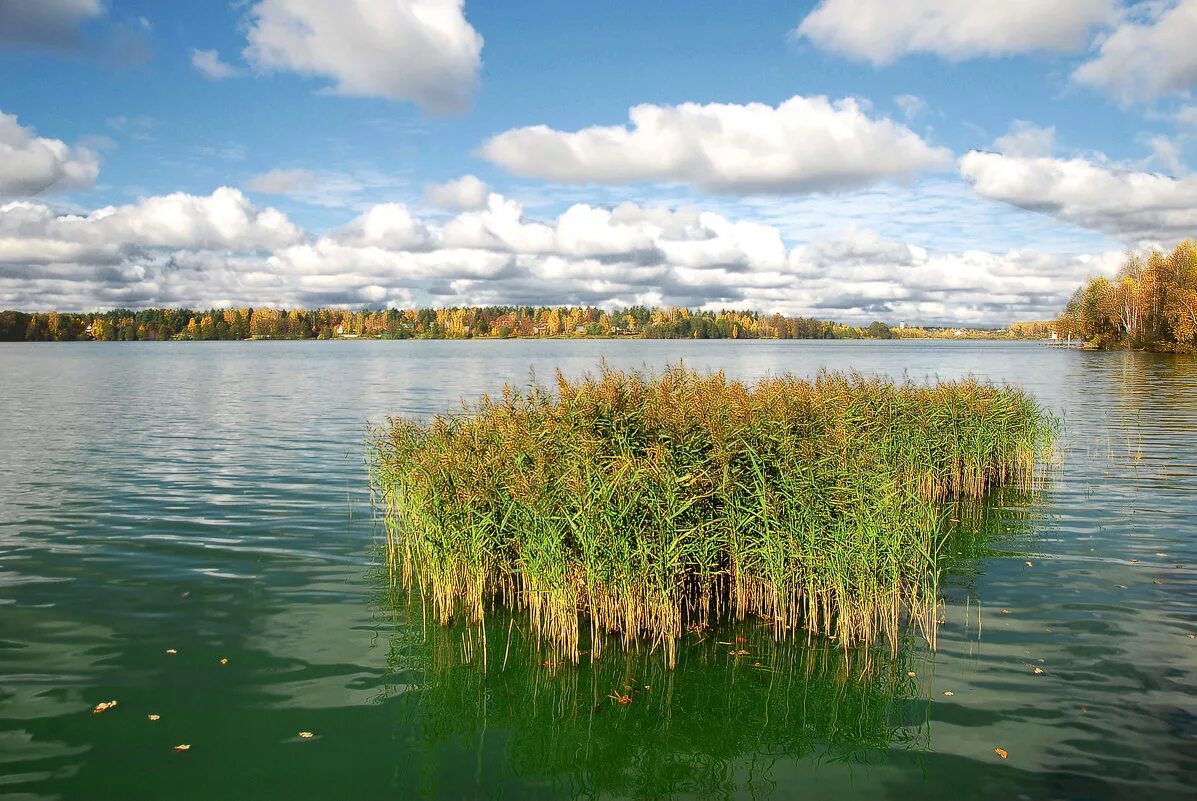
x=487, y=322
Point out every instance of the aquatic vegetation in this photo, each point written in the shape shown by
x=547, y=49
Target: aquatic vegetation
x=637, y=505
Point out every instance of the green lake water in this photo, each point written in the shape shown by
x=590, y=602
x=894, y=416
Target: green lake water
x=212, y=498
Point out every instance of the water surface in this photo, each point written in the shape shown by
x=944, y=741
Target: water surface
x=211, y=498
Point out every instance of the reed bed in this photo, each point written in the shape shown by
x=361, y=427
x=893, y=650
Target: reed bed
x=636, y=505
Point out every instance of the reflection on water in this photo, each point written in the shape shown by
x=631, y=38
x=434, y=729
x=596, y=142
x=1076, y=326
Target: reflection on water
x=738, y=702
x=212, y=498
x=627, y=726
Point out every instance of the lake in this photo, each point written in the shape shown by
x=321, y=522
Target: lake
x=212, y=498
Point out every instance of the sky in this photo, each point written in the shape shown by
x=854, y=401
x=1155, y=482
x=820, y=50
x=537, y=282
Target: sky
x=930, y=161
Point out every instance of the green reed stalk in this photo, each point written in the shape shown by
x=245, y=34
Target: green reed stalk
x=637, y=505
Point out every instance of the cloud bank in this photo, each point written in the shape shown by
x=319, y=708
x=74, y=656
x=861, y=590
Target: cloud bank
x=221, y=249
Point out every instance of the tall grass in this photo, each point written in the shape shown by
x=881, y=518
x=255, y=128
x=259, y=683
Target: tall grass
x=637, y=505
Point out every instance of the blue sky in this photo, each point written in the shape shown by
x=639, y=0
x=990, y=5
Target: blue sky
x=799, y=204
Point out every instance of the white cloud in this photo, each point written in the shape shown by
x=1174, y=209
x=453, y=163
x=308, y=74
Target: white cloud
x=210, y=66
x=30, y=164
x=1166, y=154
x=419, y=50
x=1149, y=55
x=281, y=182
x=881, y=31
x=1026, y=139
x=33, y=233
x=912, y=106
x=802, y=145
x=466, y=192
x=220, y=250
x=1133, y=206
x=1186, y=117
x=51, y=24
x=328, y=188
x=862, y=278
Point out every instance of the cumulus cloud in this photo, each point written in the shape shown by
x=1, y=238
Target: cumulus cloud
x=33, y=233
x=47, y=24
x=220, y=250
x=806, y=144
x=1026, y=139
x=861, y=277
x=209, y=64
x=466, y=192
x=73, y=28
x=1149, y=55
x=882, y=31
x=1133, y=206
x=419, y=50
x=30, y=164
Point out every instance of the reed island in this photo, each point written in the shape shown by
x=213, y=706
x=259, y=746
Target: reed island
x=630, y=507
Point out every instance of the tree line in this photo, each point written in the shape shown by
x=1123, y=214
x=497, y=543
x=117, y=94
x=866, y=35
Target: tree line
x=442, y=323
x=1151, y=304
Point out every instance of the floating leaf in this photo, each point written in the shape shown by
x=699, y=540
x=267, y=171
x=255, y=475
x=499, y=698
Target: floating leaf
x=1002, y=752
